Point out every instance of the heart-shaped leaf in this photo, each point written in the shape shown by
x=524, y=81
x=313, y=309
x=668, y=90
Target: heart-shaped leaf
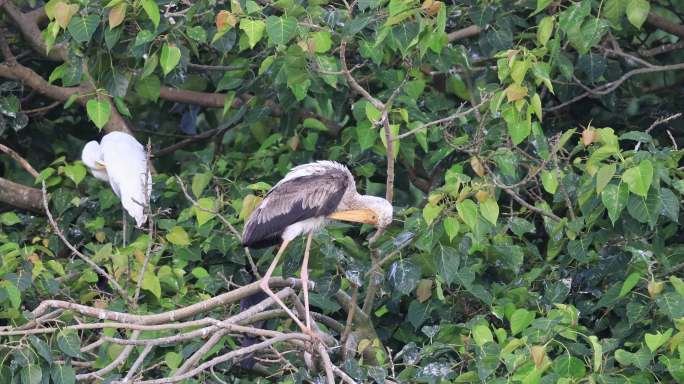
x=99, y=112
x=170, y=57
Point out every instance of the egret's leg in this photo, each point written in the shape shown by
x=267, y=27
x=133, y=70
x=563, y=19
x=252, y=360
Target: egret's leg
x=305, y=279
x=125, y=227
x=263, y=284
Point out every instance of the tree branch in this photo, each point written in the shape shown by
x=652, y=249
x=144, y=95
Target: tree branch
x=28, y=26
x=666, y=25
x=20, y=160
x=20, y=196
x=464, y=33
x=613, y=85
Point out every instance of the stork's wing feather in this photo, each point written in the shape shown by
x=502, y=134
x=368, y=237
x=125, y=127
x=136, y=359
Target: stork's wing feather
x=126, y=164
x=294, y=200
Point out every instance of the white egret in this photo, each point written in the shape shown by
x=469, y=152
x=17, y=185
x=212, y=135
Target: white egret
x=122, y=161
x=301, y=203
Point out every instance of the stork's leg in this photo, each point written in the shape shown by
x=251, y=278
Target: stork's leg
x=305, y=279
x=263, y=284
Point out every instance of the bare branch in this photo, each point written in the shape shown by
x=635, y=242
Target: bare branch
x=666, y=25
x=20, y=196
x=444, y=120
x=20, y=160
x=73, y=249
x=464, y=33
x=613, y=85
x=660, y=121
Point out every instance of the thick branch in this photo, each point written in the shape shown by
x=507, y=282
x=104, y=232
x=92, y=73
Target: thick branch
x=666, y=25
x=20, y=196
x=28, y=26
x=464, y=33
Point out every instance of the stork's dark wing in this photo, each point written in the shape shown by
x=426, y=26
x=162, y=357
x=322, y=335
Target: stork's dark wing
x=291, y=201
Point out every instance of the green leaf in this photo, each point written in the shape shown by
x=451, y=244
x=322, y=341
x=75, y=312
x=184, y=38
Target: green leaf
x=81, y=29
x=9, y=218
x=281, y=30
x=121, y=106
x=151, y=282
x=150, y=65
x=549, y=181
x=467, y=211
x=604, y=176
x=645, y=210
x=637, y=12
x=254, y=29
x=173, y=360
x=520, y=320
x=451, y=226
x=63, y=374
x=630, y=282
x=431, y=212
x=42, y=348
x=372, y=113
x=152, y=11
x=404, y=276
x=178, y=236
x=99, y=112
x=639, y=178
x=490, y=210
x=482, y=335
x=366, y=135
x=31, y=374
x=197, y=33
x=598, y=352
x=12, y=293
x=199, y=182
x=669, y=204
x=614, y=9
x=541, y=5
x=148, y=88
x=569, y=366
x=678, y=285
x=614, y=198
x=545, y=29
x=447, y=261
x=655, y=341
x=519, y=130
x=322, y=41
x=69, y=342
x=76, y=172
x=170, y=57
x=394, y=132
x=204, y=212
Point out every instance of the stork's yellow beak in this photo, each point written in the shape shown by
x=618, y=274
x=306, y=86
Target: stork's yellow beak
x=365, y=216
x=99, y=165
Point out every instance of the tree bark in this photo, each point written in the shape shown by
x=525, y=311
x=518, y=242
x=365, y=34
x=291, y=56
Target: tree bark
x=20, y=196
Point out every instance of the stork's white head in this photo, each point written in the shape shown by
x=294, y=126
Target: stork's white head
x=93, y=159
x=381, y=207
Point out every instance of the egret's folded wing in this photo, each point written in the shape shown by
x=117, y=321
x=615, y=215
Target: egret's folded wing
x=126, y=163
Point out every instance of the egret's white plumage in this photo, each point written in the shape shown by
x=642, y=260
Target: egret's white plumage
x=122, y=161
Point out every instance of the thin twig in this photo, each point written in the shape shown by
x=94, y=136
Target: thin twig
x=659, y=121
x=613, y=85
x=225, y=221
x=20, y=160
x=73, y=249
x=444, y=120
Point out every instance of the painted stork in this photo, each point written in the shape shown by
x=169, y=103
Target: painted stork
x=302, y=203
x=122, y=161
